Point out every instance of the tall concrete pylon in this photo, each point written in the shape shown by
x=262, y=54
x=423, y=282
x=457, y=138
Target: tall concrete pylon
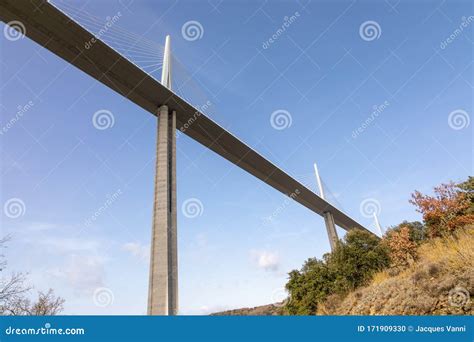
x=163, y=285
x=328, y=218
x=377, y=224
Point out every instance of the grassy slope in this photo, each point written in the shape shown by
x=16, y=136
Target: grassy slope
x=264, y=310
x=440, y=282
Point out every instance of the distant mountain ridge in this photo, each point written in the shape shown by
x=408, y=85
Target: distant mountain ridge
x=263, y=310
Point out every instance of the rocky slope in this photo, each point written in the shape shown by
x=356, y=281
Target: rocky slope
x=440, y=282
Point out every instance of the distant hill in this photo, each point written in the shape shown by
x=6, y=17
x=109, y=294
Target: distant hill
x=264, y=310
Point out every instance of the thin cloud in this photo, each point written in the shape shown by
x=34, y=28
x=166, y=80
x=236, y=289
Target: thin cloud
x=138, y=250
x=266, y=260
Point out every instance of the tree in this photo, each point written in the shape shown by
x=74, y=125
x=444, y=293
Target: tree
x=308, y=287
x=352, y=264
x=12, y=286
x=357, y=259
x=468, y=188
x=402, y=248
x=450, y=208
x=14, y=294
x=46, y=305
x=416, y=229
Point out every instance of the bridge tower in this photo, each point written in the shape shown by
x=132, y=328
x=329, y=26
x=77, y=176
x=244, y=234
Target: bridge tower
x=328, y=217
x=377, y=224
x=163, y=284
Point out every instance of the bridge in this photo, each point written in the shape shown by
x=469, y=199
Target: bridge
x=54, y=30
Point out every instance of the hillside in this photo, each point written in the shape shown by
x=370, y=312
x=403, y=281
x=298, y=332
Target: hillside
x=441, y=282
x=263, y=310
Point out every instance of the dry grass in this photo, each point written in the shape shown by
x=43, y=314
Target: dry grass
x=440, y=282
x=380, y=277
x=456, y=251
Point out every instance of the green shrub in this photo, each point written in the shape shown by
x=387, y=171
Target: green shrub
x=352, y=264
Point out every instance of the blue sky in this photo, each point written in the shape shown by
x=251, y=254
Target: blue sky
x=324, y=72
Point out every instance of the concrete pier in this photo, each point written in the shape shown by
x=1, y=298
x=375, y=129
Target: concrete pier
x=163, y=285
x=331, y=229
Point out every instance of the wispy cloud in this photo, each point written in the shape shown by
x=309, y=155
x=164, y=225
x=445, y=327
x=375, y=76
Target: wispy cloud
x=266, y=260
x=77, y=261
x=138, y=250
x=82, y=273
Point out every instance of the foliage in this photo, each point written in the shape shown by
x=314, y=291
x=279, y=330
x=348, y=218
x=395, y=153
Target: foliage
x=416, y=229
x=402, y=248
x=468, y=188
x=440, y=282
x=14, y=294
x=356, y=259
x=309, y=286
x=450, y=208
x=46, y=305
x=352, y=264
x=361, y=256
